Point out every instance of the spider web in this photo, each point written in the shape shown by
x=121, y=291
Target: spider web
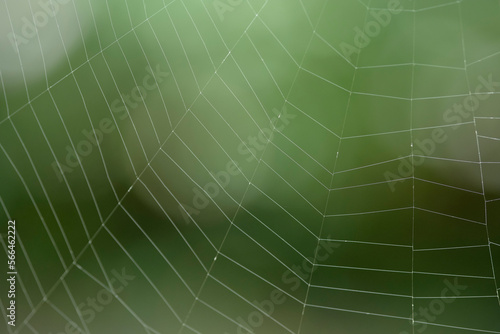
x=260, y=150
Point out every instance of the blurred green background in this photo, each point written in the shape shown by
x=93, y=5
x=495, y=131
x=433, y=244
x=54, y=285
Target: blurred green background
x=173, y=166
